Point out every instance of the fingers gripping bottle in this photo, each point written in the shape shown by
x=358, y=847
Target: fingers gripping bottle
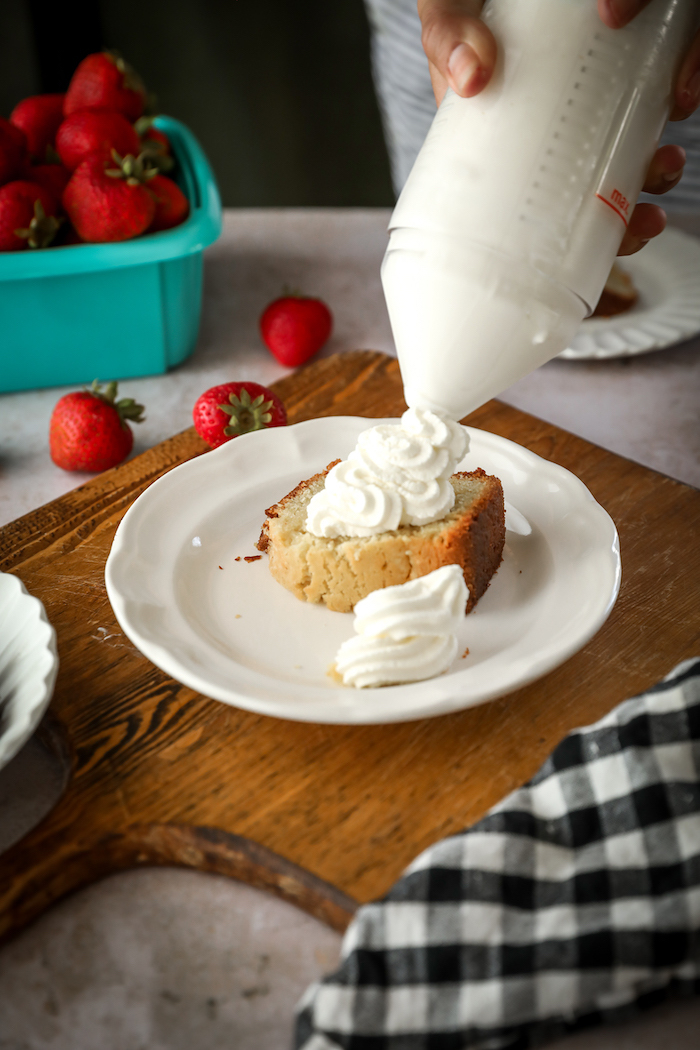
x=510, y=220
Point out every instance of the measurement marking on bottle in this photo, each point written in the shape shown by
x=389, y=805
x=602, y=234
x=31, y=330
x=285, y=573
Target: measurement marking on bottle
x=619, y=204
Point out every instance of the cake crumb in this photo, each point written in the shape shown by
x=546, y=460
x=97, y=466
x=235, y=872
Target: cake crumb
x=465, y=653
x=238, y=558
x=221, y=566
x=334, y=674
x=252, y=557
x=237, y=616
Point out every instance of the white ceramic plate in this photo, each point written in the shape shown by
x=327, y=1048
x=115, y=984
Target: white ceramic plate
x=225, y=628
x=28, y=665
x=666, y=273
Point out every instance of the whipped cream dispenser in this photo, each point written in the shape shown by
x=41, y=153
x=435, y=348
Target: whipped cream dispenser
x=510, y=220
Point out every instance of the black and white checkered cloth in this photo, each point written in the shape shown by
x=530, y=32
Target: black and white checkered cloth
x=575, y=901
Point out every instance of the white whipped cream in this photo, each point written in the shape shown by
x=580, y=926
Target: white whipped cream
x=405, y=633
x=397, y=475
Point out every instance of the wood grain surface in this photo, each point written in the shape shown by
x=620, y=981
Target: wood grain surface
x=326, y=816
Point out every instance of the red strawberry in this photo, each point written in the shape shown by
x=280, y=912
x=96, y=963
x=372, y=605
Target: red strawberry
x=94, y=131
x=53, y=177
x=27, y=216
x=88, y=429
x=106, y=81
x=294, y=328
x=13, y=151
x=38, y=117
x=225, y=411
x=110, y=202
x=172, y=206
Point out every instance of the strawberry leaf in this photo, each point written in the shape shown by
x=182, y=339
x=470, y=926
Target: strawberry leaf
x=41, y=230
x=246, y=414
x=126, y=406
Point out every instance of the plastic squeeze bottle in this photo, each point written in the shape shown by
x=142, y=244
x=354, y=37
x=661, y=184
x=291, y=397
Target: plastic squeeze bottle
x=510, y=220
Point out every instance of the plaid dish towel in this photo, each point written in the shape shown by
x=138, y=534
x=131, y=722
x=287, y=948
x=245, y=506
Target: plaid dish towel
x=575, y=901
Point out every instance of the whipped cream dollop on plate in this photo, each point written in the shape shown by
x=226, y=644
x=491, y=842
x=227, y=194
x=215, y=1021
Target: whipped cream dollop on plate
x=398, y=474
x=405, y=633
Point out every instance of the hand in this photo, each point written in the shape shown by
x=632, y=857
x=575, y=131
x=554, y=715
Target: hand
x=462, y=50
x=666, y=168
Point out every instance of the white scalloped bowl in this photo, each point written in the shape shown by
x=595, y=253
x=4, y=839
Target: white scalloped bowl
x=667, y=276
x=28, y=665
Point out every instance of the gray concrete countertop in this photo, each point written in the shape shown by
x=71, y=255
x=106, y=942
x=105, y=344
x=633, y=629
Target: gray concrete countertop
x=170, y=959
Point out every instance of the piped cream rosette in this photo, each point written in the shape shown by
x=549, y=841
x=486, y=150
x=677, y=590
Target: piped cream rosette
x=397, y=475
x=405, y=633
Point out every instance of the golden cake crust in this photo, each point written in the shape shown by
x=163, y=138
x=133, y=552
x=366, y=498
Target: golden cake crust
x=343, y=570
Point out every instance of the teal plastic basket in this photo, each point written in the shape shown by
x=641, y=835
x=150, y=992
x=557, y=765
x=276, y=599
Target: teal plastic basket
x=111, y=311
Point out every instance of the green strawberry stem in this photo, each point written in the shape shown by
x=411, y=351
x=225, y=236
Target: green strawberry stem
x=246, y=414
x=42, y=229
x=156, y=155
x=126, y=406
x=142, y=125
x=135, y=170
x=153, y=150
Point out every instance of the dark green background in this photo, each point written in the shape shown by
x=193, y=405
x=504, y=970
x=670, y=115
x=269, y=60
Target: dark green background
x=279, y=92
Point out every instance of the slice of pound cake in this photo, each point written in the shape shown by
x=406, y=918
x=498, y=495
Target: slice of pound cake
x=342, y=570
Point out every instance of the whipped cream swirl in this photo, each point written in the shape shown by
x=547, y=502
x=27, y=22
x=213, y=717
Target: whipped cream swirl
x=405, y=633
x=397, y=475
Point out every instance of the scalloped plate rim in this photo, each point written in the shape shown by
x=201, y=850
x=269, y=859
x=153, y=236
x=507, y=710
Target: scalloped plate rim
x=677, y=255
x=24, y=723
x=185, y=657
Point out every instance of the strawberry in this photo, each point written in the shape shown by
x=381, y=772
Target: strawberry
x=13, y=151
x=38, y=117
x=110, y=203
x=94, y=131
x=53, y=177
x=223, y=412
x=295, y=327
x=88, y=429
x=27, y=216
x=172, y=206
x=106, y=81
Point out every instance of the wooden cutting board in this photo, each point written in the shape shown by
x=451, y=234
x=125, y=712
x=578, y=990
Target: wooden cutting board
x=325, y=816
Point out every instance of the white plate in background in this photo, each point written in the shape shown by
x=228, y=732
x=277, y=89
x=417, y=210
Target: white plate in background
x=28, y=665
x=666, y=273
x=227, y=629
